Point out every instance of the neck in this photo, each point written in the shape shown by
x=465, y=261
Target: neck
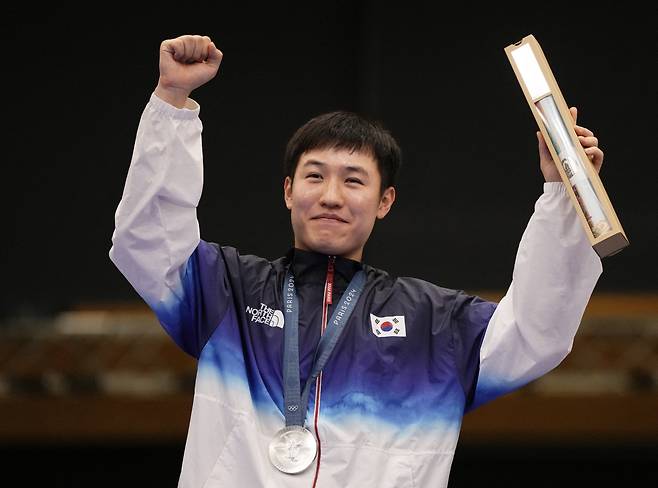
x=355, y=255
x=310, y=267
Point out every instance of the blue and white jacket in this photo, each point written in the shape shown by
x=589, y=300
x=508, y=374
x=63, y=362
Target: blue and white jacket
x=388, y=406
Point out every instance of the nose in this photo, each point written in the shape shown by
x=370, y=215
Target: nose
x=332, y=194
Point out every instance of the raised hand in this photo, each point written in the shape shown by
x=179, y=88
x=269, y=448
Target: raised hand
x=587, y=139
x=186, y=63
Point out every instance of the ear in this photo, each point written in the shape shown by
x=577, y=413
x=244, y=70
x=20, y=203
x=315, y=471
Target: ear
x=287, y=192
x=386, y=202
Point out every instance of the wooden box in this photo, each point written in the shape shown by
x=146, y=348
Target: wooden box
x=551, y=112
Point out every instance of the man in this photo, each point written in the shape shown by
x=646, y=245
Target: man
x=317, y=369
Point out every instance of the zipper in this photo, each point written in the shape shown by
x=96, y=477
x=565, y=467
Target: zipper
x=326, y=301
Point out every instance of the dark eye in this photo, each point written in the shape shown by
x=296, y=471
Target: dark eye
x=354, y=180
x=314, y=175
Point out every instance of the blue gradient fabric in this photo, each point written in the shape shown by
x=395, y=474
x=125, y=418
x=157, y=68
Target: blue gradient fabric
x=389, y=390
x=414, y=357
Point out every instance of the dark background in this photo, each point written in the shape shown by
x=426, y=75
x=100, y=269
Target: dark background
x=438, y=79
x=77, y=80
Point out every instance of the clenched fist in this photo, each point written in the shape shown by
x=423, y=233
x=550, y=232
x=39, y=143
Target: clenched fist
x=186, y=63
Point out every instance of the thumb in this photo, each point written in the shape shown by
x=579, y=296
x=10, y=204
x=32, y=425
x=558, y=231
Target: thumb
x=544, y=152
x=214, y=55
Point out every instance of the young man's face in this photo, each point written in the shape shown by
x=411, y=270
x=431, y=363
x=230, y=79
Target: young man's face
x=334, y=201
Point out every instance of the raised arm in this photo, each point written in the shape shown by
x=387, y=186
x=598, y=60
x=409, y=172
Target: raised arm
x=556, y=269
x=156, y=229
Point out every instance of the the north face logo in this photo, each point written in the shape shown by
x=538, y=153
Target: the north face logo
x=266, y=315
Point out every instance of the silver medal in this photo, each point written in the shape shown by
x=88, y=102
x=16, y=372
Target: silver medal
x=293, y=449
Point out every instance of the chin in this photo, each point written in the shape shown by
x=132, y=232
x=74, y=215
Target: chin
x=323, y=246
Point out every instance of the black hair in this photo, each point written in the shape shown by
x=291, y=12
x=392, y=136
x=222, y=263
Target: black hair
x=346, y=130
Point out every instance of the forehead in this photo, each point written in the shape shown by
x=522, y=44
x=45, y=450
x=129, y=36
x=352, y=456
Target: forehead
x=339, y=159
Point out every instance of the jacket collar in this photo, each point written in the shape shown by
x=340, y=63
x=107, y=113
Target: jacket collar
x=310, y=267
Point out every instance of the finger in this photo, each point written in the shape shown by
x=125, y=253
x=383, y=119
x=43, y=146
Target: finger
x=205, y=43
x=167, y=46
x=583, y=131
x=588, y=141
x=574, y=114
x=179, y=48
x=544, y=152
x=174, y=47
x=214, y=55
x=194, y=48
x=200, y=48
x=188, y=43
x=595, y=154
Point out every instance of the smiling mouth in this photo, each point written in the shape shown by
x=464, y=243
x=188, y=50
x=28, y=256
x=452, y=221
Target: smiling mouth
x=330, y=218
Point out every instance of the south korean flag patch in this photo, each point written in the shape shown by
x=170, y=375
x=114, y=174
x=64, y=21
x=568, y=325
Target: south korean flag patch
x=392, y=326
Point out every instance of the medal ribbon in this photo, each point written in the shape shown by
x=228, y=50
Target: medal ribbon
x=295, y=403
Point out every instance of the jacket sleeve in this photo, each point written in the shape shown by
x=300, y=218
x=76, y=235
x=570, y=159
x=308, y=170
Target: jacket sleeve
x=156, y=242
x=532, y=329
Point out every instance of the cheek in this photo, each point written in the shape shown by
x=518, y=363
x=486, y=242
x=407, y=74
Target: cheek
x=305, y=197
x=365, y=205
x=302, y=200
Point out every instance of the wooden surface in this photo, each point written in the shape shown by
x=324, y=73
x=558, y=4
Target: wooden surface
x=605, y=391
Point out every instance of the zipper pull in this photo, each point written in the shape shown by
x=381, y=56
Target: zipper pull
x=330, y=280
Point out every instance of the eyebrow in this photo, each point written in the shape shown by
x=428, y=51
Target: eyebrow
x=350, y=168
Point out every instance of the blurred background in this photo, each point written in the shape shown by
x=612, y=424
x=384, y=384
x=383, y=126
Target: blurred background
x=92, y=393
